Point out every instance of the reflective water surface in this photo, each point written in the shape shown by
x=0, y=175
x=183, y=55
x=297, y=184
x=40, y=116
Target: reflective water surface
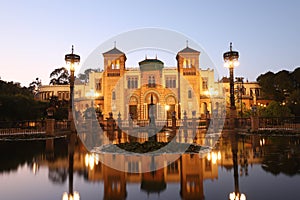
x=257, y=167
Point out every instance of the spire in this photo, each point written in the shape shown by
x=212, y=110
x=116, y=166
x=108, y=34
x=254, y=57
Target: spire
x=230, y=46
x=156, y=56
x=187, y=43
x=72, y=49
x=115, y=44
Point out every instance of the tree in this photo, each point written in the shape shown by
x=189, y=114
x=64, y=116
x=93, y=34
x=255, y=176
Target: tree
x=34, y=86
x=283, y=87
x=85, y=76
x=60, y=108
x=60, y=76
x=275, y=109
x=266, y=81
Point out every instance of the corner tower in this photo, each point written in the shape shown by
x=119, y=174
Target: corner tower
x=189, y=80
x=114, y=70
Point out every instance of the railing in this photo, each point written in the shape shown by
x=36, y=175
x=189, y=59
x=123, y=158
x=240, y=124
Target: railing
x=243, y=122
x=62, y=125
x=22, y=127
x=286, y=123
x=189, y=123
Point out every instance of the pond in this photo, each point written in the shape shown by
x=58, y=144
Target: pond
x=259, y=167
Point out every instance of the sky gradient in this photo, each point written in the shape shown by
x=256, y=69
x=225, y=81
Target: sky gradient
x=35, y=35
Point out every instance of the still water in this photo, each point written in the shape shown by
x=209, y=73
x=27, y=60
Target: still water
x=259, y=167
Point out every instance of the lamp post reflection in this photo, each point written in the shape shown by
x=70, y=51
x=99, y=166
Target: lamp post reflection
x=236, y=195
x=71, y=195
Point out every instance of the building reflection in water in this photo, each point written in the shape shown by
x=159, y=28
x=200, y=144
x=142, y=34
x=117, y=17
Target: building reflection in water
x=190, y=170
x=273, y=155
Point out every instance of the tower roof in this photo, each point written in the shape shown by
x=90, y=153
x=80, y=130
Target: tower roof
x=188, y=50
x=114, y=51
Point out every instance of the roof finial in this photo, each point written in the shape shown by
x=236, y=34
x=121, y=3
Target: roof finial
x=145, y=56
x=230, y=46
x=115, y=44
x=156, y=56
x=72, y=49
x=187, y=43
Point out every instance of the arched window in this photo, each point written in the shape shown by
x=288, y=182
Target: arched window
x=117, y=64
x=113, y=95
x=190, y=94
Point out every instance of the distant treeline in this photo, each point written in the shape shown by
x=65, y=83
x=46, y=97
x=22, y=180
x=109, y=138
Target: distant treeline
x=282, y=87
x=17, y=103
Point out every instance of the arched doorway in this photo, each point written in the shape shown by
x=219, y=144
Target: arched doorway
x=133, y=108
x=170, y=106
x=151, y=100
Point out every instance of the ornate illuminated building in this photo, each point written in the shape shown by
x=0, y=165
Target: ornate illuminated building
x=186, y=88
x=129, y=91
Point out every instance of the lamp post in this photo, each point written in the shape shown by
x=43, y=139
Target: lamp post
x=72, y=60
x=231, y=61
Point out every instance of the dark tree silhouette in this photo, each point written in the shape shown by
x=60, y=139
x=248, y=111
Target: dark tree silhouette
x=34, y=86
x=283, y=87
x=59, y=76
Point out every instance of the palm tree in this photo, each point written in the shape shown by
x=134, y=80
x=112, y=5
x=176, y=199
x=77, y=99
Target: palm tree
x=59, y=76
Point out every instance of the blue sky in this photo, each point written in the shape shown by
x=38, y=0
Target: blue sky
x=35, y=35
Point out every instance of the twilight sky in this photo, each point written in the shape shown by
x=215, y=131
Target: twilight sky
x=35, y=35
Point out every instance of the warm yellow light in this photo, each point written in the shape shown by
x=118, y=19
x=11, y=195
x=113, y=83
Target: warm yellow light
x=74, y=196
x=214, y=157
x=219, y=155
x=236, y=63
x=232, y=196
x=243, y=197
x=167, y=107
x=96, y=94
x=91, y=160
x=226, y=64
x=35, y=167
x=206, y=93
x=238, y=196
x=208, y=156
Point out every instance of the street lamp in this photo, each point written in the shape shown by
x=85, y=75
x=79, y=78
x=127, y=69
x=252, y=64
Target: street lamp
x=231, y=61
x=72, y=60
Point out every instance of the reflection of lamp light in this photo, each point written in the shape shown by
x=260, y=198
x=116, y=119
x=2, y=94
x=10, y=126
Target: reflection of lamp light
x=262, y=142
x=237, y=196
x=74, y=196
x=91, y=160
x=71, y=195
x=214, y=157
x=35, y=167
